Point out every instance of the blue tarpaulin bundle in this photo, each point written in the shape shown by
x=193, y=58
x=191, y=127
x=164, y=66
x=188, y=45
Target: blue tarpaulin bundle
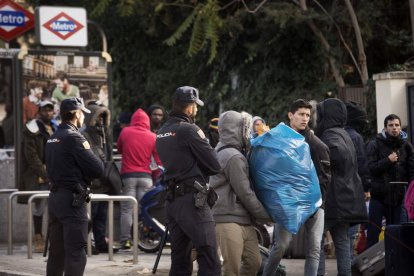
x=284, y=176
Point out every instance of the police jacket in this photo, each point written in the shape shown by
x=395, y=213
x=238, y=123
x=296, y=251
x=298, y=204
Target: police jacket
x=69, y=158
x=345, y=196
x=384, y=171
x=184, y=150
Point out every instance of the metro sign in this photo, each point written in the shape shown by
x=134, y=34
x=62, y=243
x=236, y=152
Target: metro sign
x=63, y=26
x=14, y=20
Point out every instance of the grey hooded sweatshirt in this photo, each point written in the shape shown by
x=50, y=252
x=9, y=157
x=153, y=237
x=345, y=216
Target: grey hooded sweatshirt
x=237, y=201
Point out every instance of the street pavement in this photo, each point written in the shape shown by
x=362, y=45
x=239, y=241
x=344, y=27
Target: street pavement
x=99, y=265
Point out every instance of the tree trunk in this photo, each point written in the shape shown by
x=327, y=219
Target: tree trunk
x=325, y=44
x=360, y=44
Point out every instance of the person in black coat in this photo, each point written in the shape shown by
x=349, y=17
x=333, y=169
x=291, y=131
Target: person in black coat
x=390, y=159
x=345, y=204
x=96, y=133
x=356, y=120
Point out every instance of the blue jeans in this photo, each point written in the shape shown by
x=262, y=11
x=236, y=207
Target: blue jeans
x=135, y=187
x=281, y=240
x=339, y=233
x=377, y=210
x=352, y=233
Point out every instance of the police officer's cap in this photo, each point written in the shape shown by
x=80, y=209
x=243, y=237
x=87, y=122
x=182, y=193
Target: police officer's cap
x=187, y=94
x=73, y=104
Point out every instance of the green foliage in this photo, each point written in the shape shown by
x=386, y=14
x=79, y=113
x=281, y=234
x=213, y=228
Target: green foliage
x=172, y=40
x=258, y=62
x=206, y=23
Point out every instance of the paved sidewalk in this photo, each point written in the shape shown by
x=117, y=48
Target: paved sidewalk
x=99, y=265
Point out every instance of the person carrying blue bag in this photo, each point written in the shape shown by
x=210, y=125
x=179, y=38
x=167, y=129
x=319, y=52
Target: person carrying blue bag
x=298, y=136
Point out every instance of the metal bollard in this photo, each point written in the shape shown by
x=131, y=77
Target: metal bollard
x=10, y=216
x=110, y=200
x=30, y=222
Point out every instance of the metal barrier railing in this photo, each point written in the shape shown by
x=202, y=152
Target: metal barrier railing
x=111, y=199
x=94, y=197
x=7, y=191
x=30, y=222
x=10, y=216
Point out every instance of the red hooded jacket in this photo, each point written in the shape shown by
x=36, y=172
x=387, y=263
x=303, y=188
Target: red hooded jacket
x=136, y=143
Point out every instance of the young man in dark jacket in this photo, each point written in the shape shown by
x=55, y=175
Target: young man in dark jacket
x=390, y=159
x=299, y=116
x=96, y=133
x=345, y=204
x=35, y=134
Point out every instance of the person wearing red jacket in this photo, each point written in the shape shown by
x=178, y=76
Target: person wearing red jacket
x=136, y=143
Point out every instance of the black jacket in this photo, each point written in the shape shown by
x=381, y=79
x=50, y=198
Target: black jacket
x=69, y=158
x=345, y=196
x=184, y=150
x=384, y=171
x=320, y=157
x=97, y=136
x=34, y=173
x=363, y=169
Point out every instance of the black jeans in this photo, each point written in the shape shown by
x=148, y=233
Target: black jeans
x=192, y=227
x=99, y=214
x=68, y=230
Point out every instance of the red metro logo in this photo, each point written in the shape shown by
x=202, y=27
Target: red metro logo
x=63, y=26
x=14, y=20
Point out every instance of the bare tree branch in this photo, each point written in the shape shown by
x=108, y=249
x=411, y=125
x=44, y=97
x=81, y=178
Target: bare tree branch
x=256, y=9
x=341, y=38
x=325, y=44
x=360, y=44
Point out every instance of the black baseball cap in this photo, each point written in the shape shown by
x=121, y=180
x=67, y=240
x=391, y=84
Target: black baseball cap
x=73, y=104
x=188, y=94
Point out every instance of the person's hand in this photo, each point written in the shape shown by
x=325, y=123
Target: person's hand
x=367, y=196
x=262, y=129
x=393, y=157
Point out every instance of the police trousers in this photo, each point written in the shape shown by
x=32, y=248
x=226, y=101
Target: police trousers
x=192, y=227
x=68, y=230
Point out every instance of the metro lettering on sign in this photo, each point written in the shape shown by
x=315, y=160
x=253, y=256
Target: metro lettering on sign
x=10, y=18
x=59, y=26
x=14, y=20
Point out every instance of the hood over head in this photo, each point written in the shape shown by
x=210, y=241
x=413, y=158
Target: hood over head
x=330, y=113
x=96, y=111
x=234, y=129
x=256, y=118
x=356, y=115
x=140, y=119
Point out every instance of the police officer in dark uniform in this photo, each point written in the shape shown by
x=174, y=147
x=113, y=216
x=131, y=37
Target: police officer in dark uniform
x=189, y=160
x=71, y=165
